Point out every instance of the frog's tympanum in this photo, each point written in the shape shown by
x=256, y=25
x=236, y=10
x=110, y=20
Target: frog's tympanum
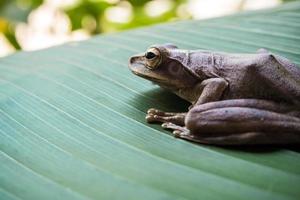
x=235, y=98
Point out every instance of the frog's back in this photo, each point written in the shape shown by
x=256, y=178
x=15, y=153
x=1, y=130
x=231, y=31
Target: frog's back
x=240, y=70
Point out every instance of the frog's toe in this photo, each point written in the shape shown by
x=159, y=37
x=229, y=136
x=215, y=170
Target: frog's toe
x=176, y=128
x=151, y=118
x=176, y=119
x=169, y=125
x=179, y=131
x=154, y=111
x=182, y=134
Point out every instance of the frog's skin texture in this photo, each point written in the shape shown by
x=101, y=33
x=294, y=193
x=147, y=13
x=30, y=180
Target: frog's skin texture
x=236, y=98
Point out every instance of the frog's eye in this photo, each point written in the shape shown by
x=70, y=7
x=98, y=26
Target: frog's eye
x=153, y=58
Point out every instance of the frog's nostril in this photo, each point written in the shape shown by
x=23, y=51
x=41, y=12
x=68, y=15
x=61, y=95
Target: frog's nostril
x=131, y=60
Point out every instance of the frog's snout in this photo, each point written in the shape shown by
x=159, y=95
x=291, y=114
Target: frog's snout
x=137, y=62
x=132, y=61
x=136, y=59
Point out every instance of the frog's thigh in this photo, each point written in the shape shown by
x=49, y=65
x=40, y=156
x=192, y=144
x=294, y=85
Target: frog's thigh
x=249, y=103
x=242, y=125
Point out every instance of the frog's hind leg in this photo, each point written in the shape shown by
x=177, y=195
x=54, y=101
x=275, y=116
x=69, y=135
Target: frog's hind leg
x=233, y=123
x=251, y=103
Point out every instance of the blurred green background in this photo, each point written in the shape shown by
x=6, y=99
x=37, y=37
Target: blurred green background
x=36, y=24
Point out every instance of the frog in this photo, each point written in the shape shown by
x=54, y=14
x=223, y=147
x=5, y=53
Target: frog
x=235, y=98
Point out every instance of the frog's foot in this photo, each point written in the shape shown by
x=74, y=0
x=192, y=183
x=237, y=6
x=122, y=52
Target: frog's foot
x=154, y=115
x=178, y=131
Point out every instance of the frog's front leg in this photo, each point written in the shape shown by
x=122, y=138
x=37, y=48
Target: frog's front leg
x=235, y=123
x=155, y=115
x=208, y=90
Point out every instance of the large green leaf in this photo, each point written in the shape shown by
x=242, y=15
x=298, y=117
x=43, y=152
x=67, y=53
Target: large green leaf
x=72, y=120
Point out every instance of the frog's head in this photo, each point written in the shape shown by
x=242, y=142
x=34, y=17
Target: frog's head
x=165, y=65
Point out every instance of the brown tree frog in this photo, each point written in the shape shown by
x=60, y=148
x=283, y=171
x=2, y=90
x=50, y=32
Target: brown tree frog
x=235, y=98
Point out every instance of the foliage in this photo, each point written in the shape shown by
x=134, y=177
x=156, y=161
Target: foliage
x=14, y=11
x=11, y=13
x=72, y=120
